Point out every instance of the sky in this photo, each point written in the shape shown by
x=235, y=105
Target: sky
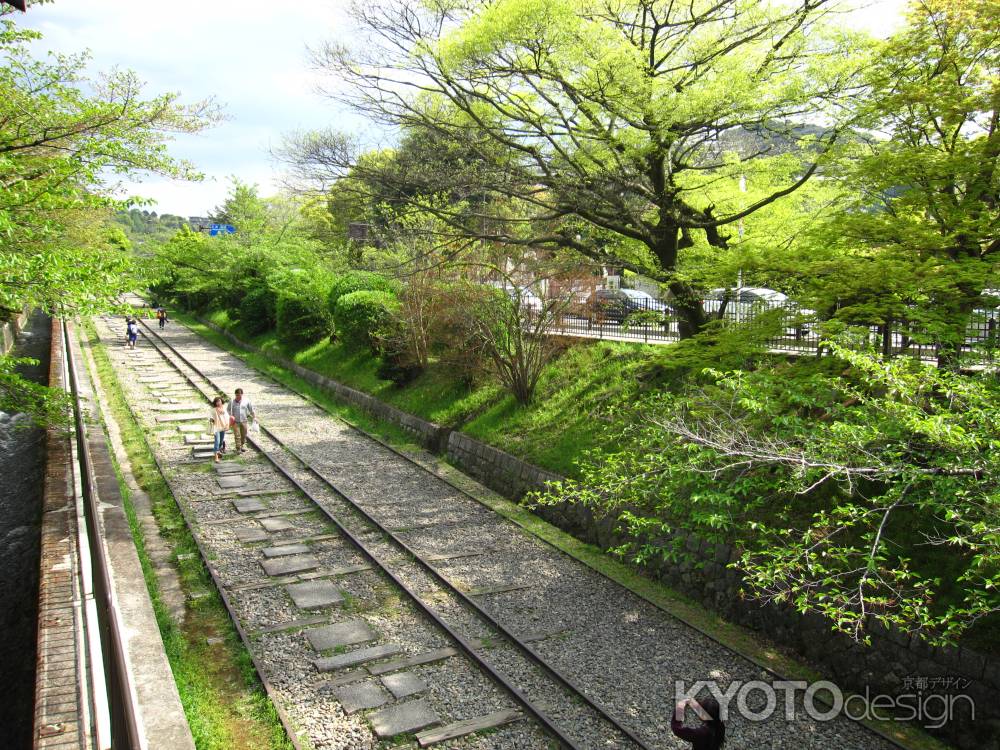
x=252, y=57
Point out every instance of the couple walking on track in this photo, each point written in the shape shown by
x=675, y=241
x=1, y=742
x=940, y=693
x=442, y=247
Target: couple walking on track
x=237, y=415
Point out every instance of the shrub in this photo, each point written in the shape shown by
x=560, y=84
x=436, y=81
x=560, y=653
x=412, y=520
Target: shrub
x=258, y=309
x=301, y=320
x=358, y=281
x=363, y=318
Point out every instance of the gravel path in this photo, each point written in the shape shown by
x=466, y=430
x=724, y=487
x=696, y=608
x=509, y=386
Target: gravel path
x=624, y=652
x=279, y=631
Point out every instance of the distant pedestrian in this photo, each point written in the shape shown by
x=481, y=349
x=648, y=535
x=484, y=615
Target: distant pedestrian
x=161, y=316
x=242, y=412
x=712, y=732
x=132, y=327
x=220, y=420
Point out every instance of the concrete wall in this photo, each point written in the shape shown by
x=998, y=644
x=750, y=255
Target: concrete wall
x=886, y=666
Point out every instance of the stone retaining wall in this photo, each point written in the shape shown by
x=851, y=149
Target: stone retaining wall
x=498, y=470
x=9, y=331
x=892, y=664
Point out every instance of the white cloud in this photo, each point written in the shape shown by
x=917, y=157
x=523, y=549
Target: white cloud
x=249, y=55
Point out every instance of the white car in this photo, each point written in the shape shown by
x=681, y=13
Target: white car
x=745, y=302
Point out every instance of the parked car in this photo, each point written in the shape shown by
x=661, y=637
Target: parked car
x=529, y=299
x=617, y=304
x=745, y=302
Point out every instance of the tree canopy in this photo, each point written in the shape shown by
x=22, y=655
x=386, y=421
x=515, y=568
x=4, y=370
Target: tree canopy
x=64, y=138
x=615, y=129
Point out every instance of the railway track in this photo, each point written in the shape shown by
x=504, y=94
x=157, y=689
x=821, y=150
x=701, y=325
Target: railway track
x=562, y=708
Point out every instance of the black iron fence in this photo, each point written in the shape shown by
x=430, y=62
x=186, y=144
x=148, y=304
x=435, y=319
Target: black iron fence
x=792, y=328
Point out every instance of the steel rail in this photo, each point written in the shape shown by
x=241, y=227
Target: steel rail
x=470, y=603
x=468, y=648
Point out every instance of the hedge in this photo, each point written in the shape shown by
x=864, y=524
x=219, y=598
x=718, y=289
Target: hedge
x=258, y=310
x=301, y=321
x=357, y=281
x=363, y=318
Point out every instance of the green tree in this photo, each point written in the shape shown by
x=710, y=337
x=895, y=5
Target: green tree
x=62, y=136
x=860, y=489
x=587, y=121
x=923, y=216
x=245, y=211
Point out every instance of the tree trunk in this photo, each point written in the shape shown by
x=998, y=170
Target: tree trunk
x=691, y=317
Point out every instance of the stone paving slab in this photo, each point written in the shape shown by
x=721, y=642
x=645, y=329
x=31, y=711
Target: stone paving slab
x=202, y=453
x=192, y=428
x=252, y=535
x=199, y=440
x=167, y=407
x=249, y=506
x=404, y=684
x=413, y=661
x=230, y=482
x=181, y=418
x=302, y=622
x=405, y=717
x=314, y=594
x=272, y=524
x=346, y=678
x=229, y=468
x=359, y=695
x=469, y=726
x=286, y=549
x=345, y=633
x=359, y=656
x=286, y=565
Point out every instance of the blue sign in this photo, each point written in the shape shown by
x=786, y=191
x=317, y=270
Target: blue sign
x=222, y=229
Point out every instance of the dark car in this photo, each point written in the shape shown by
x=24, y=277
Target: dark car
x=615, y=305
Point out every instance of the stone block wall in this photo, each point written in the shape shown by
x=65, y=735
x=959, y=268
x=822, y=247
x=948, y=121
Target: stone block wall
x=9, y=331
x=498, y=470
